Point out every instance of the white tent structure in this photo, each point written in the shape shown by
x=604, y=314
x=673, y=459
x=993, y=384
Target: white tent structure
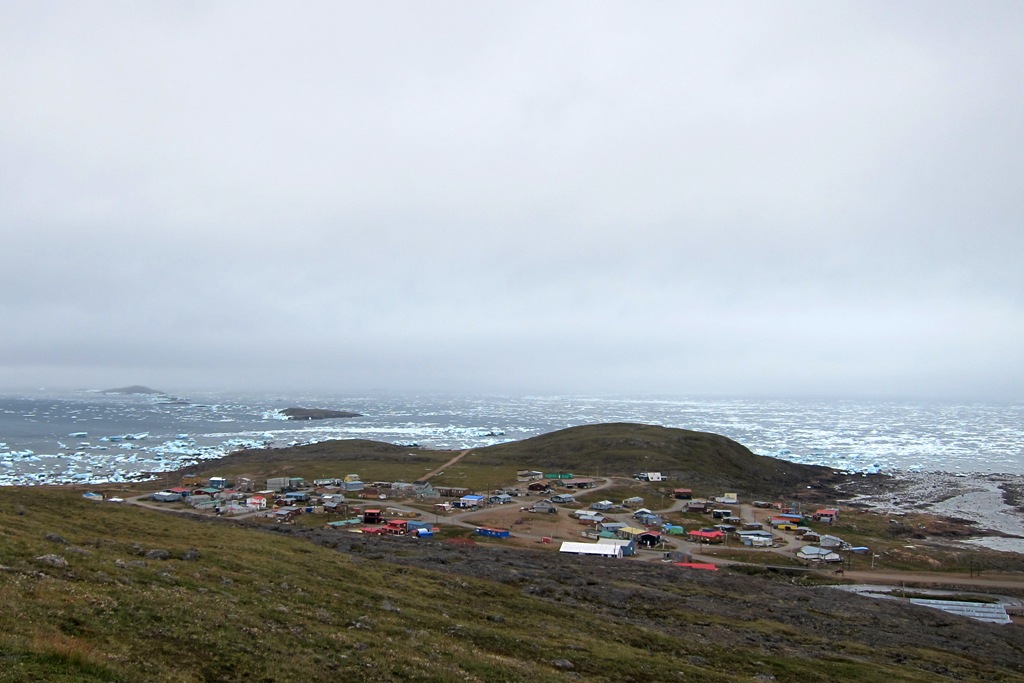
x=591, y=549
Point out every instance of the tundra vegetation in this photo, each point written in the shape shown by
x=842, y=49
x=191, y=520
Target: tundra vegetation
x=97, y=591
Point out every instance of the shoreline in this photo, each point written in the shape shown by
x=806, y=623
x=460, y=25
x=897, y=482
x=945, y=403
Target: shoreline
x=994, y=502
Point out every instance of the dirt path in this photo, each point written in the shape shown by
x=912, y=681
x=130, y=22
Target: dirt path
x=448, y=464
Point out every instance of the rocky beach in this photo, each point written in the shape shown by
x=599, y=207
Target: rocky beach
x=994, y=502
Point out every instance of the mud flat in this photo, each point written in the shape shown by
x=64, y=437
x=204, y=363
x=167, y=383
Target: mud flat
x=993, y=501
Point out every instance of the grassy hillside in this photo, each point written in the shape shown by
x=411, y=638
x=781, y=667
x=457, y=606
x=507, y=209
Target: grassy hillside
x=706, y=461
x=691, y=458
x=371, y=459
x=103, y=592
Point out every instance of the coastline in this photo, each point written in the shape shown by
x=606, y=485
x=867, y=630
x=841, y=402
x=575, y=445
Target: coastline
x=994, y=502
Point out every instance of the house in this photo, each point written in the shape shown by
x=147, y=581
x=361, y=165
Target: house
x=373, y=517
x=278, y=483
x=578, y=483
x=297, y=497
x=601, y=549
x=674, y=530
x=728, y=499
x=628, y=545
x=756, y=538
x=827, y=541
x=611, y=527
x=648, y=539
x=634, y=502
x=602, y=505
x=342, y=523
x=218, y=483
x=649, y=519
x=159, y=497
x=397, y=527
x=563, y=498
x=683, y=494
x=630, y=532
x=191, y=480
x=492, y=533
x=352, y=486
x=697, y=505
x=256, y=502
x=826, y=515
x=500, y=499
x=813, y=553
x=590, y=517
x=542, y=506
x=287, y=513
x=528, y=475
x=705, y=536
x=721, y=514
x=451, y=491
x=472, y=500
x=538, y=486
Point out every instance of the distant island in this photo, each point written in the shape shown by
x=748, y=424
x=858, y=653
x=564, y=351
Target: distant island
x=134, y=389
x=316, y=413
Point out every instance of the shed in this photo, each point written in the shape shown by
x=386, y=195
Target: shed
x=493, y=533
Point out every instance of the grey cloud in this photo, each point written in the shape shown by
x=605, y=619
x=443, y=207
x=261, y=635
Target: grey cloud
x=700, y=199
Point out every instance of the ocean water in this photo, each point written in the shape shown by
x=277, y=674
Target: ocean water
x=91, y=437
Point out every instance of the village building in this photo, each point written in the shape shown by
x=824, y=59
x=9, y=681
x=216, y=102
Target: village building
x=451, y=491
x=699, y=536
x=600, y=549
x=490, y=532
x=628, y=545
x=813, y=553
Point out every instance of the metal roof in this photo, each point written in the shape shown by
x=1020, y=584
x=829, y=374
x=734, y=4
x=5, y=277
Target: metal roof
x=979, y=611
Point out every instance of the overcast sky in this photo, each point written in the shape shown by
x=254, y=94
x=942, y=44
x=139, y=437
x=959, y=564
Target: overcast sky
x=769, y=199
